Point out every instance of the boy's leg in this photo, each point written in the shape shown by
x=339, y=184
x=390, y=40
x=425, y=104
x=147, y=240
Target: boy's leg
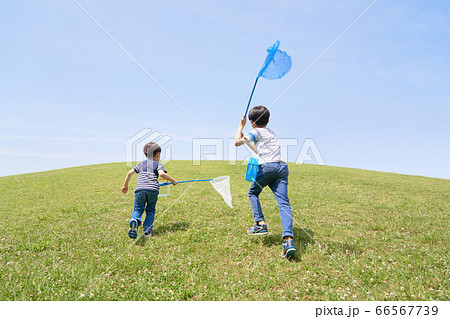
x=266, y=173
x=279, y=188
x=260, y=227
x=139, y=206
x=152, y=198
x=136, y=216
x=253, y=194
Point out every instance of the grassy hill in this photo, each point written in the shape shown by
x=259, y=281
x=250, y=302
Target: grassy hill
x=359, y=235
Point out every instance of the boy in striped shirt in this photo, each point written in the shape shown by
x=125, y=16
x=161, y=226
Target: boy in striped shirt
x=147, y=189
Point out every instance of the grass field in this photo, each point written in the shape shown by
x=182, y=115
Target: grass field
x=359, y=235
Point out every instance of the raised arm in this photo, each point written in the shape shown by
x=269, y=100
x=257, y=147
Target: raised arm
x=239, y=139
x=130, y=173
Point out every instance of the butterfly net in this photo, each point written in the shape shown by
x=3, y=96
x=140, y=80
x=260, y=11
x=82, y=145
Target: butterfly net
x=222, y=185
x=277, y=63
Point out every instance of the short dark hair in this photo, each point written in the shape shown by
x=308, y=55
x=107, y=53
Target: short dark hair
x=259, y=114
x=151, y=149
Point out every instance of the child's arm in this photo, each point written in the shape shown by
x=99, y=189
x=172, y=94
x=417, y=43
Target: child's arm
x=239, y=139
x=252, y=146
x=127, y=180
x=168, y=177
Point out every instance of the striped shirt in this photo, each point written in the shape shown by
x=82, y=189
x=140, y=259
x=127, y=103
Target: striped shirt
x=148, y=175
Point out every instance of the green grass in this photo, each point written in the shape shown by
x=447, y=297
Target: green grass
x=62, y=230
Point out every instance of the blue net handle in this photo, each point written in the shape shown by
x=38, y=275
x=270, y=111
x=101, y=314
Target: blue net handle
x=273, y=72
x=251, y=95
x=188, y=181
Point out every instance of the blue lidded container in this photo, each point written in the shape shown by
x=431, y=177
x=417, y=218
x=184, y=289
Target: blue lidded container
x=252, y=169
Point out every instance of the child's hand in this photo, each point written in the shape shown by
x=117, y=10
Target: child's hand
x=243, y=121
x=174, y=182
x=124, y=189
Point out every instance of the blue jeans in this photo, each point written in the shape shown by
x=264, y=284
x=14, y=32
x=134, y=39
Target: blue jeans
x=145, y=201
x=274, y=175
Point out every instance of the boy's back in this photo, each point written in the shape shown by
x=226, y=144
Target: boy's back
x=148, y=175
x=266, y=144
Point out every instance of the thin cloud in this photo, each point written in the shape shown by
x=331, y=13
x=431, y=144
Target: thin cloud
x=63, y=139
x=48, y=155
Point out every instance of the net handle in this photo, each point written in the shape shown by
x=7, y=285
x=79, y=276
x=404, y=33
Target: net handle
x=268, y=60
x=188, y=181
x=251, y=95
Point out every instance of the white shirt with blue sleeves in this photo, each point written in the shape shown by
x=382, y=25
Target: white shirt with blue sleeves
x=266, y=144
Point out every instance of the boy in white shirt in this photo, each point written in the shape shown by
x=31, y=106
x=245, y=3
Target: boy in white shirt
x=272, y=172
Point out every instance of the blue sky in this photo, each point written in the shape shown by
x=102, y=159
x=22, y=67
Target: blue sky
x=378, y=100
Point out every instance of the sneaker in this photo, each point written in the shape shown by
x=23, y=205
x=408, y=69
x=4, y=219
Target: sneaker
x=288, y=249
x=258, y=230
x=148, y=234
x=132, y=233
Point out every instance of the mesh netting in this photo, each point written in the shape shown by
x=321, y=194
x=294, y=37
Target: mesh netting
x=222, y=185
x=277, y=63
x=164, y=190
